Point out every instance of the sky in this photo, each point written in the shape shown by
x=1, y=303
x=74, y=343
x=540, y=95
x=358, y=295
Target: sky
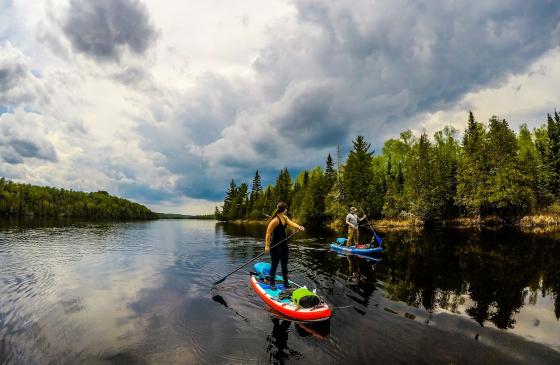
x=164, y=102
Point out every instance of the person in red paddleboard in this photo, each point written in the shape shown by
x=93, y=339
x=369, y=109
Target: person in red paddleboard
x=276, y=232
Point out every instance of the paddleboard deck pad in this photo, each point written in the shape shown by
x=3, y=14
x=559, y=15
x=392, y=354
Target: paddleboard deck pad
x=280, y=299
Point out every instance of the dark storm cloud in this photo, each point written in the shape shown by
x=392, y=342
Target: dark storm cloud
x=143, y=193
x=426, y=55
x=14, y=149
x=102, y=29
x=27, y=148
x=347, y=68
x=385, y=62
x=22, y=136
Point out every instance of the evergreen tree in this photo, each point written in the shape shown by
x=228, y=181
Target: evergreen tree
x=253, y=209
x=473, y=169
x=358, y=174
x=229, y=209
x=507, y=194
x=283, y=186
x=446, y=156
x=419, y=188
x=241, y=201
x=396, y=152
x=554, y=153
x=529, y=164
x=256, y=187
x=312, y=210
x=330, y=172
x=544, y=192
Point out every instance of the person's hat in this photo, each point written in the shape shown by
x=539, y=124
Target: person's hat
x=353, y=209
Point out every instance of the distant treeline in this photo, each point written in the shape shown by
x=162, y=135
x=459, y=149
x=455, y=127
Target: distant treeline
x=24, y=200
x=491, y=171
x=184, y=216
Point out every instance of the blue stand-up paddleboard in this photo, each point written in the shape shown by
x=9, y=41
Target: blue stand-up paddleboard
x=339, y=246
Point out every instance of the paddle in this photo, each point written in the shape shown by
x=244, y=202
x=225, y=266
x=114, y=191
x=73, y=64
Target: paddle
x=253, y=259
x=377, y=238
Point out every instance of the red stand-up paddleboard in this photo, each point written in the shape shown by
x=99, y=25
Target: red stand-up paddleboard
x=283, y=303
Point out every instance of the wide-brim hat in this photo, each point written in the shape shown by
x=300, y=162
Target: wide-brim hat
x=353, y=209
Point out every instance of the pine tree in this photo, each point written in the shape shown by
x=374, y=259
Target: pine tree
x=554, y=150
x=446, y=155
x=544, y=192
x=283, y=186
x=241, y=201
x=419, y=186
x=473, y=169
x=256, y=188
x=529, y=164
x=358, y=174
x=330, y=172
x=507, y=194
x=228, y=211
x=312, y=210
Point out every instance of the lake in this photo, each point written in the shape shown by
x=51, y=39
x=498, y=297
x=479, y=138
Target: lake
x=141, y=293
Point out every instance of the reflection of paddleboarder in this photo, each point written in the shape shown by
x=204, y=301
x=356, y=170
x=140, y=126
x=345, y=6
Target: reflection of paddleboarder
x=278, y=342
x=353, y=269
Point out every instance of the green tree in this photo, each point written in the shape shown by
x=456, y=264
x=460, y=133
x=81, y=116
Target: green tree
x=358, y=175
x=330, y=172
x=529, y=164
x=229, y=209
x=473, y=169
x=544, y=192
x=446, y=159
x=508, y=196
x=554, y=153
x=283, y=186
x=312, y=210
x=419, y=188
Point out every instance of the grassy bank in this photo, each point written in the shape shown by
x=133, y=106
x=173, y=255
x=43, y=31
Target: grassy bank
x=543, y=219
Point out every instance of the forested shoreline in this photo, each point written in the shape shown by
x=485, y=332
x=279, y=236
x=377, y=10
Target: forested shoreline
x=24, y=200
x=491, y=172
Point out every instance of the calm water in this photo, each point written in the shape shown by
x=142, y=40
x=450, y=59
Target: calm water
x=135, y=293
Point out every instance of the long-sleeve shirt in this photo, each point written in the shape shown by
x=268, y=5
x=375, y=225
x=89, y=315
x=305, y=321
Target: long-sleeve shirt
x=352, y=220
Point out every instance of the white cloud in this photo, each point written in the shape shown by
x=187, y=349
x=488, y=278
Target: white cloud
x=209, y=91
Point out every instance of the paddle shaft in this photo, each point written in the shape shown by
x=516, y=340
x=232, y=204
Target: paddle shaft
x=253, y=259
x=369, y=224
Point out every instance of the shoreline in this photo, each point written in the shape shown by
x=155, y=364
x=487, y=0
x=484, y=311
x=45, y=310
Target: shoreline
x=532, y=221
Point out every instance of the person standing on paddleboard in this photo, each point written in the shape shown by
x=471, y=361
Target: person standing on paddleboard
x=276, y=232
x=352, y=222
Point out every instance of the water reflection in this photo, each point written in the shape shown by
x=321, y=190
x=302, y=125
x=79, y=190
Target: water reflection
x=494, y=271
x=142, y=293
x=278, y=342
x=487, y=275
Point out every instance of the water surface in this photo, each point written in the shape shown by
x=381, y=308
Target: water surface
x=135, y=293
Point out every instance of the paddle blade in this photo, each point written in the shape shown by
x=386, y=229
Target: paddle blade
x=220, y=281
x=378, y=239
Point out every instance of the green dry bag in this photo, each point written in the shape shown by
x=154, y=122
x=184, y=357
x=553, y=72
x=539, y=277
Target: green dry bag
x=305, y=298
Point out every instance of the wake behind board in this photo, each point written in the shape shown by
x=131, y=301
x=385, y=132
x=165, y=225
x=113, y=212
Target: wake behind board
x=283, y=303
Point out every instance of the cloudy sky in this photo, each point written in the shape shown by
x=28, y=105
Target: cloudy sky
x=163, y=102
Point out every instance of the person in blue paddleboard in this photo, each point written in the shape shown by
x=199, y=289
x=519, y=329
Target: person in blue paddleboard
x=275, y=233
x=352, y=223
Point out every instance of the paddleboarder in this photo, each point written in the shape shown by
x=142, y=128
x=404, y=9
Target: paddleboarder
x=275, y=233
x=352, y=222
